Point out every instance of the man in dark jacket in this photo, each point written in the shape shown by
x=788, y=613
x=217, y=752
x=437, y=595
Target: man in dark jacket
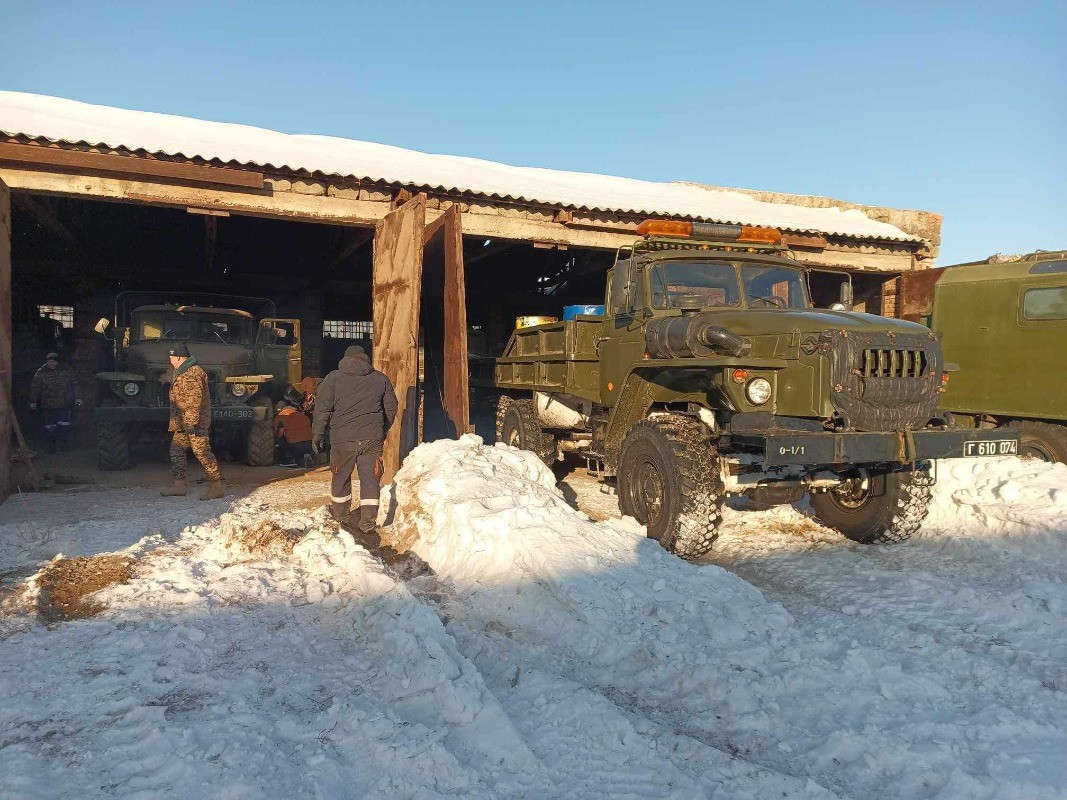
x=356, y=404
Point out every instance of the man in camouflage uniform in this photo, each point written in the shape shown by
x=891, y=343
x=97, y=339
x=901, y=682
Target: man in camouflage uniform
x=190, y=421
x=52, y=390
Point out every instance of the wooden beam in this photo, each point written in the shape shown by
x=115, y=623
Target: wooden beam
x=43, y=216
x=77, y=160
x=433, y=227
x=489, y=251
x=6, y=412
x=804, y=240
x=456, y=367
x=359, y=238
x=398, y=248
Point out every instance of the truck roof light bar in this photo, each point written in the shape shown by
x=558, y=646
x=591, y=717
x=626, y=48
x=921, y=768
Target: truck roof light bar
x=710, y=231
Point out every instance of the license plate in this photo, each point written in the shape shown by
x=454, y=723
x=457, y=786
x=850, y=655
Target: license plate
x=995, y=447
x=233, y=413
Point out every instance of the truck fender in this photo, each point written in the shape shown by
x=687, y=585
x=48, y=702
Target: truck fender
x=636, y=396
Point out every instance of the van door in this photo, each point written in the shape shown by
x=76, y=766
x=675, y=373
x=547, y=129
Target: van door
x=278, y=349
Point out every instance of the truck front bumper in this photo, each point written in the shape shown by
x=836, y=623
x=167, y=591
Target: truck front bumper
x=156, y=414
x=843, y=449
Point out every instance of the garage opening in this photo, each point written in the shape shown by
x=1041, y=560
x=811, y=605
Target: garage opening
x=73, y=259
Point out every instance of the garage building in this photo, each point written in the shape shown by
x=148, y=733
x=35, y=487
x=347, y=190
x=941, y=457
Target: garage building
x=96, y=201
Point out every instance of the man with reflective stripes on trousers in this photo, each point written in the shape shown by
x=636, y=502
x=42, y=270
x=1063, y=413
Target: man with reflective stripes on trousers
x=356, y=404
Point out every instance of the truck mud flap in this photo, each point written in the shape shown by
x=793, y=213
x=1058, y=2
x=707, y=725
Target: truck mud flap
x=827, y=449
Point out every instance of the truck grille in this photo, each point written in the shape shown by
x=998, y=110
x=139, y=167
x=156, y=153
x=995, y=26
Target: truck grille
x=881, y=381
x=894, y=363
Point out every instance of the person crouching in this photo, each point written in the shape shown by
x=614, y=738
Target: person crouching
x=357, y=404
x=190, y=422
x=292, y=432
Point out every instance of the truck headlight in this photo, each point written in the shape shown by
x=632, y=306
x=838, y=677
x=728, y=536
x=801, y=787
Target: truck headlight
x=132, y=389
x=758, y=391
x=238, y=389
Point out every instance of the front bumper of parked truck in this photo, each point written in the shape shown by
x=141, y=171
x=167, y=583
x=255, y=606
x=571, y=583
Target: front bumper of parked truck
x=133, y=413
x=831, y=449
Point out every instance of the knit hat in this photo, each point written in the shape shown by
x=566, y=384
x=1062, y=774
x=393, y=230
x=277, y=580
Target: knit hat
x=180, y=350
x=51, y=356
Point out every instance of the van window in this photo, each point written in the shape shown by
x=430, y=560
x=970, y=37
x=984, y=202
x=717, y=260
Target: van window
x=1050, y=303
x=1048, y=268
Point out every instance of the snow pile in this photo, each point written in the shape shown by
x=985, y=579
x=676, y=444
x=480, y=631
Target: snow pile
x=219, y=673
x=1023, y=502
x=581, y=622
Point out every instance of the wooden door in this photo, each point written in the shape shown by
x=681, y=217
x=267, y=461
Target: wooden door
x=5, y=341
x=397, y=286
x=444, y=236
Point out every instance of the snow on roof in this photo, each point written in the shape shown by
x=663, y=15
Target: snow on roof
x=60, y=120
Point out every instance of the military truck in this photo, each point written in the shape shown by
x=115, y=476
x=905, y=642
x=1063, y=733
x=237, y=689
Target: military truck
x=1005, y=324
x=249, y=363
x=710, y=375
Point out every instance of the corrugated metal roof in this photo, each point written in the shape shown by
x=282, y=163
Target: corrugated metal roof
x=68, y=121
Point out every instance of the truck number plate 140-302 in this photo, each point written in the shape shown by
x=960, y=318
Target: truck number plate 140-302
x=996, y=447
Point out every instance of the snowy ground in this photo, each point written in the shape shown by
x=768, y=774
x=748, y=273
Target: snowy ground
x=545, y=655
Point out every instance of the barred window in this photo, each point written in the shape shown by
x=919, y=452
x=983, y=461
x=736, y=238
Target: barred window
x=64, y=315
x=347, y=329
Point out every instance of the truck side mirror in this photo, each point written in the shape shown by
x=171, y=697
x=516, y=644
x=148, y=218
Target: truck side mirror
x=846, y=295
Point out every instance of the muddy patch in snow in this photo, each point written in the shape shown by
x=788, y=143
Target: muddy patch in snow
x=264, y=539
x=68, y=584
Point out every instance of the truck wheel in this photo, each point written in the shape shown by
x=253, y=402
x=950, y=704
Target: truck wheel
x=883, y=508
x=1042, y=440
x=669, y=481
x=260, y=451
x=113, y=451
x=516, y=425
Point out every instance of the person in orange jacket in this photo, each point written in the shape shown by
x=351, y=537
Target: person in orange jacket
x=292, y=433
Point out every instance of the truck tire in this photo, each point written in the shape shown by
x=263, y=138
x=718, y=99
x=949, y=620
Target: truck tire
x=884, y=508
x=113, y=450
x=517, y=425
x=669, y=481
x=1042, y=440
x=260, y=450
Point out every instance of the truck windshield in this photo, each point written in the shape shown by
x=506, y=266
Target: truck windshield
x=774, y=287
x=184, y=328
x=678, y=283
x=155, y=328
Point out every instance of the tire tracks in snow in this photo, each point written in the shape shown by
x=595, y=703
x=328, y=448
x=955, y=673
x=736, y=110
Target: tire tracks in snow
x=919, y=595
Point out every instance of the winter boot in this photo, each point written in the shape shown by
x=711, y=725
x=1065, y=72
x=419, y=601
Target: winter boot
x=176, y=489
x=341, y=513
x=368, y=518
x=213, y=491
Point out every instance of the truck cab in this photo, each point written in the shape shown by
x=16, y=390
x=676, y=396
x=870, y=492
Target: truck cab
x=248, y=364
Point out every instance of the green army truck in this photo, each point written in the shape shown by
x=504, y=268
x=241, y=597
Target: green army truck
x=1006, y=326
x=249, y=363
x=711, y=375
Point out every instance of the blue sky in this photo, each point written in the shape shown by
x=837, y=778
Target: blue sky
x=959, y=108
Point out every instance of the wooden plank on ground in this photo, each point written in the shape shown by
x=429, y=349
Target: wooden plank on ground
x=6, y=411
x=456, y=378
x=398, y=244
